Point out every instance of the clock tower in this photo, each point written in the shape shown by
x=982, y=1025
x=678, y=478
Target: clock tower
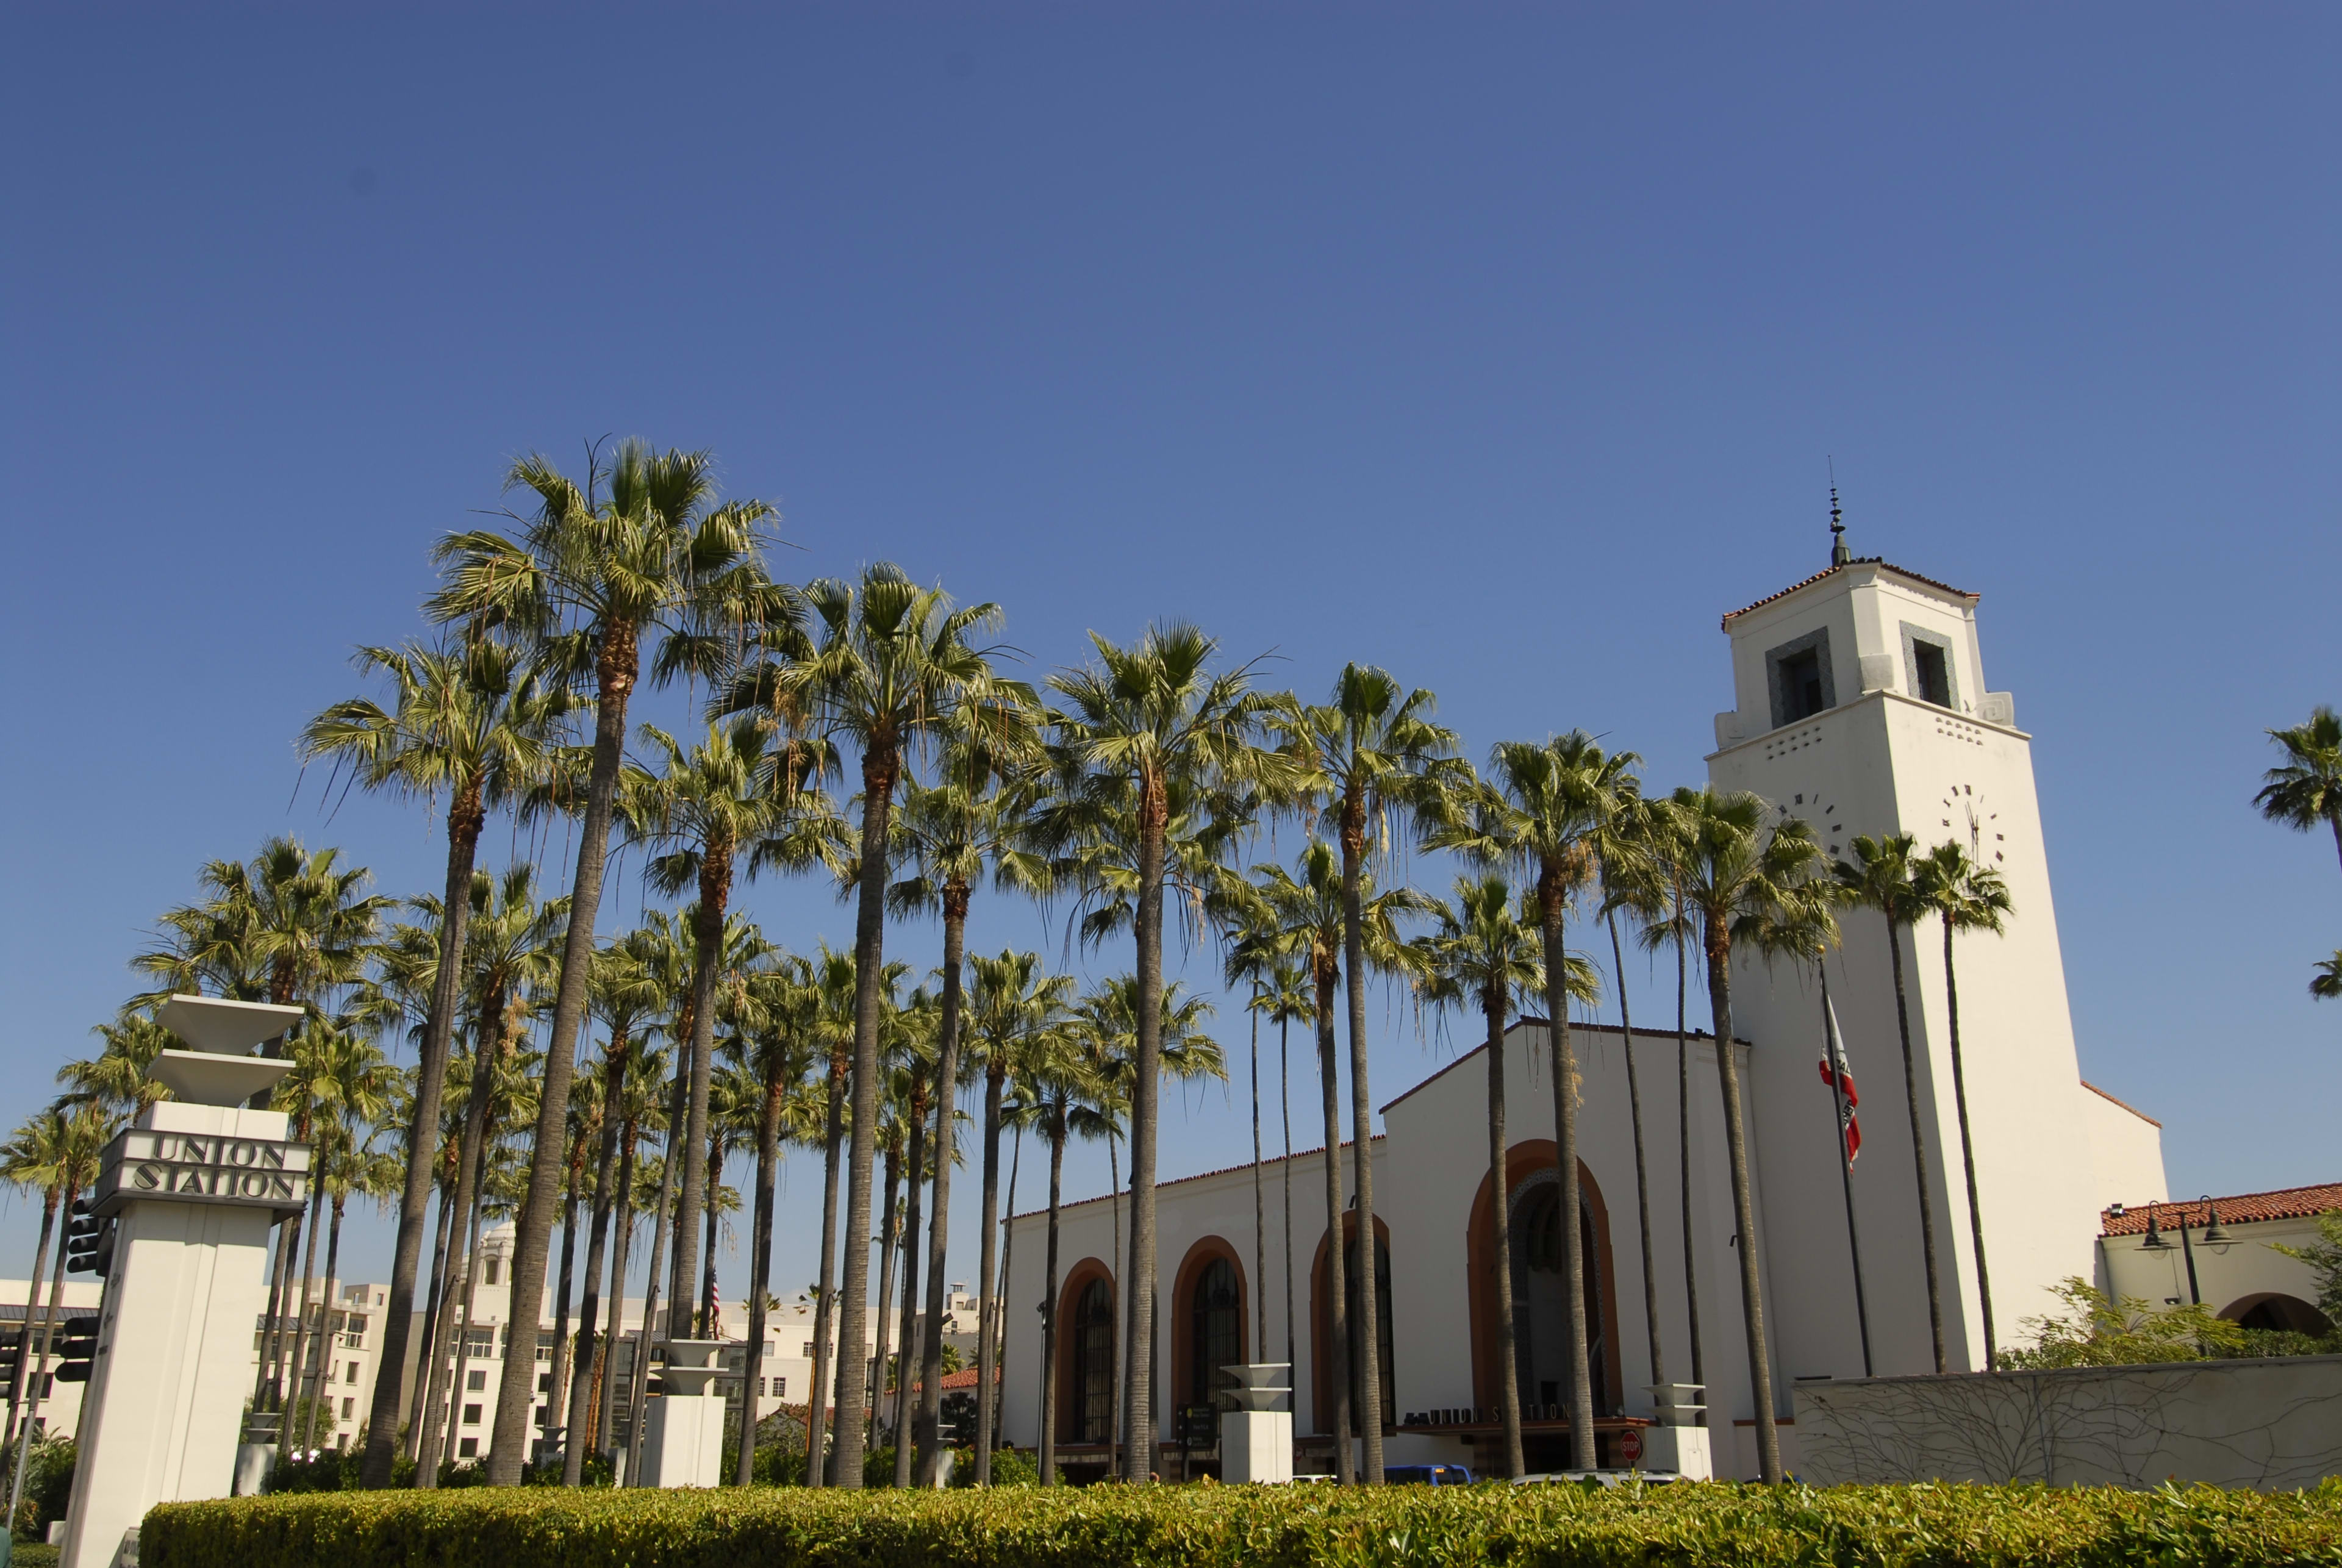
x=1861, y=706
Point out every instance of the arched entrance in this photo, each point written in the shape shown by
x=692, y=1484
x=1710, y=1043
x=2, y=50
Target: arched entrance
x=1534, y=1211
x=1207, y=1319
x=1321, y=1327
x=1085, y=1367
x=2275, y=1310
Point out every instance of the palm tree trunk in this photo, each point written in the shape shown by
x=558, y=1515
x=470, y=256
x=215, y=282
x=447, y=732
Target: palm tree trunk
x=1138, y=1389
x=39, y=1356
x=288, y=1240
x=464, y=818
x=716, y=1152
x=1121, y=1359
x=760, y=1272
x=40, y=1261
x=558, y=1383
x=471, y=1161
x=1683, y=1147
x=579, y=1393
x=1918, y=1149
x=1500, y=1190
x=1048, y=1446
x=1369, y=1329
x=1285, y=1111
x=301, y=1320
x=996, y=1398
x=605, y=1388
x=432, y=1306
x=463, y=1345
x=533, y=1233
x=1967, y=1152
x=879, y=769
x=1259, y=1214
x=318, y=1384
x=928, y=1428
x=638, y=1390
x=1642, y=1169
x=1744, y=1206
x=1338, y=1294
x=889, y=1222
x=1580, y=1390
x=987, y=1269
x=825, y=1313
x=707, y=959
x=907, y=1341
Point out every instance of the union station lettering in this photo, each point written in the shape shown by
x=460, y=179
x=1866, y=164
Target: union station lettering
x=205, y=1168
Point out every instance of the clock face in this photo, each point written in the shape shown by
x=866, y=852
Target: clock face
x=1965, y=811
x=1821, y=814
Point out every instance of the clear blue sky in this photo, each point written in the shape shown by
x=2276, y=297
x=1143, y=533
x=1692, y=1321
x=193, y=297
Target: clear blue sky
x=1501, y=346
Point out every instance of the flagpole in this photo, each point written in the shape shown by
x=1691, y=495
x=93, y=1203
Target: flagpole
x=1834, y=1056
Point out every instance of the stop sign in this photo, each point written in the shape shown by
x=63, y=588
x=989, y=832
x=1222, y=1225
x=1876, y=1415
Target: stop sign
x=1630, y=1446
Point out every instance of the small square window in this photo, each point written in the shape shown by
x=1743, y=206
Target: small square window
x=808, y=1349
x=471, y=1415
x=348, y=1406
x=544, y=1383
x=492, y=1271
x=469, y=1448
x=540, y=1415
x=475, y=1380
x=780, y=1388
x=352, y=1376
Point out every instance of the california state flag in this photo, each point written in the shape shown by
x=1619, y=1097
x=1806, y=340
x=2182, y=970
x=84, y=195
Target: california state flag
x=1840, y=1077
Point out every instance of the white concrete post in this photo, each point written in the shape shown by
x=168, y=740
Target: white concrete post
x=1256, y=1437
x=683, y=1435
x=192, y=1186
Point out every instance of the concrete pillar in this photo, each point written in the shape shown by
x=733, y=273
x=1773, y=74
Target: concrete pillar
x=682, y=1431
x=1256, y=1437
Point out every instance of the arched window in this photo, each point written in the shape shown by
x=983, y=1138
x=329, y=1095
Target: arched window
x=1215, y=1328
x=1383, y=1336
x=1093, y=1390
x=1538, y=1303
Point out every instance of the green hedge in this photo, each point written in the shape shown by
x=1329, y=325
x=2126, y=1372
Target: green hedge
x=1250, y=1527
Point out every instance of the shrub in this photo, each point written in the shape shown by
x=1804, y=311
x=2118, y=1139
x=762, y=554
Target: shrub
x=1256, y=1527
x=49, y=1487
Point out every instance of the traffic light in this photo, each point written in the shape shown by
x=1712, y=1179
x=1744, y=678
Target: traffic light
x=79, y=1349
x=12, y=1356
x=89, y=1242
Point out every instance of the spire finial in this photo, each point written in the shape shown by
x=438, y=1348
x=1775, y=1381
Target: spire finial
x=1839, y=553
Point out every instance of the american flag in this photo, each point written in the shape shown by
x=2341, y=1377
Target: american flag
x=715, y=1317
x=1839, y=1077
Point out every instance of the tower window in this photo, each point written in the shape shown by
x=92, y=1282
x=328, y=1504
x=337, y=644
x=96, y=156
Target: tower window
x=1799, y=673
x=1935, y=681
x=1927, y=668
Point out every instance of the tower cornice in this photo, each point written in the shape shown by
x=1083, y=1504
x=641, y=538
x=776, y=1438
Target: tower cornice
x=1874, y=565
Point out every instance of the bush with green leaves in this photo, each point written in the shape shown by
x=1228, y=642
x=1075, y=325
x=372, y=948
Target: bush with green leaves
x=1210, y=1526
x=49, y=1486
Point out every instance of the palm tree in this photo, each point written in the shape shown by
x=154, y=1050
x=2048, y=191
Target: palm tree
x=1251, y=963
x=1144, y=728
x=741, y=803
x=626, y=1000
x=469, y=721
x=1633, y=879
x=2306, y=789
x=289, y=927
x=509, y=956
x=839, y=988
x=1966, y=897
x=588, y=1131
x=777, y=1051
x=1487, y=952
x=38, y=1156
x=116, y=1077
x=1286, y=997
x=1373, y=746
x=2325, y=985
x=1061, y=1094
x=640, y=550
x=1744, y=869
x=642, y=1097
x=1540, y=810
x=971, y=818
x=1012, y=1005
x=1304, y=914
x=1879, y=878
x=890, y=666
x=68, y=1155
x=1669, y=923
x=345, y=1165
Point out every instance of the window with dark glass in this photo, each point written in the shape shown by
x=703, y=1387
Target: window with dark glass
x=1934, y=679
x=1215, y=1328
x=1094, y=1364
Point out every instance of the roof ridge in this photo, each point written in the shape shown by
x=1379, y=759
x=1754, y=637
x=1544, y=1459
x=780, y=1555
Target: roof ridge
x=1879, y=561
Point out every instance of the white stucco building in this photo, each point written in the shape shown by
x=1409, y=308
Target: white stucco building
x=1861, y=704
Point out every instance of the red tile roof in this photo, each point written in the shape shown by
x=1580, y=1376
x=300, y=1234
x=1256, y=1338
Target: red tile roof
x=1858, y=560
x=2239, y=1209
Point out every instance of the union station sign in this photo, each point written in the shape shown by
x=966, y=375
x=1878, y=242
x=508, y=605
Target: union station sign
x=202, y=1168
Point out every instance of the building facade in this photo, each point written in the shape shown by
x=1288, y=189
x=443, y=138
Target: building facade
x=1861, y=705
